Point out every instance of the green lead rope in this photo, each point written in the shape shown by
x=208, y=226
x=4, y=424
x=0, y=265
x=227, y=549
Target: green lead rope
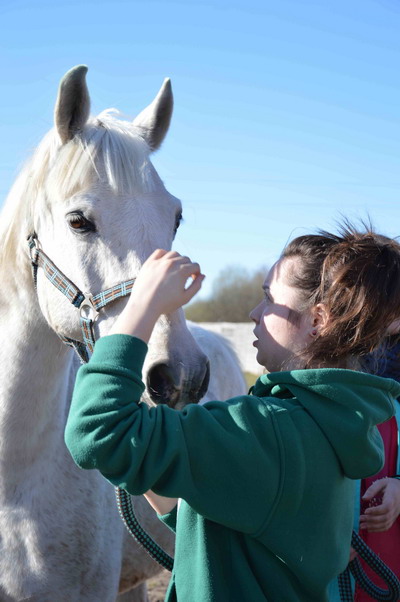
x=125, y=508
x=392, y=594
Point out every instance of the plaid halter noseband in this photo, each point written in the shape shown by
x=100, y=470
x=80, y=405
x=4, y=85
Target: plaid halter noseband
x=88, y=304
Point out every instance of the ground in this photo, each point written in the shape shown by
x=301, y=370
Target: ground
x=157, y=586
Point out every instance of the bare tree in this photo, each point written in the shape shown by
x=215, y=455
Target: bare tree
x=234, y=294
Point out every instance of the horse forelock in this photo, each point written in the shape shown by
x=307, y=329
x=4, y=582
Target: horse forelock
x=108, y=151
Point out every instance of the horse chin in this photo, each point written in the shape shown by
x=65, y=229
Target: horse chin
x=185, y=402
x=178, y=402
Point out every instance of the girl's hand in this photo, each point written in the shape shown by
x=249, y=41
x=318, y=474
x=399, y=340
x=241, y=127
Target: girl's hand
x=160, y=288
x=161, y=282
x=381, y=517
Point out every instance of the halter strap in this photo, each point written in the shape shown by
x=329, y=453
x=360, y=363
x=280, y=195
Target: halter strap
x=56, y=277
x=88, y=304
x=79, y=348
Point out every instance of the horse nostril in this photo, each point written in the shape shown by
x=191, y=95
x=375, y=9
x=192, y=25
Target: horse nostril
x=160, y=385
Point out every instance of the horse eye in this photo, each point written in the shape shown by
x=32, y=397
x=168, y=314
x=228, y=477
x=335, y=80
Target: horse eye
x=78, y=222
x=178, y=220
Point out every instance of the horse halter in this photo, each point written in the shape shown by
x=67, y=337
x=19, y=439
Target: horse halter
x=88, y=304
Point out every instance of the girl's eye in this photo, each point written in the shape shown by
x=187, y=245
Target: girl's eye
x=78, y=222
x=178, y=220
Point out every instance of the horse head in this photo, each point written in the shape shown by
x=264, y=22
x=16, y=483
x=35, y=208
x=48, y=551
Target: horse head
x=98, y=209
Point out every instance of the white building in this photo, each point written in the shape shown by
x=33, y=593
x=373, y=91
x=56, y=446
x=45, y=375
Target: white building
x=240, y=335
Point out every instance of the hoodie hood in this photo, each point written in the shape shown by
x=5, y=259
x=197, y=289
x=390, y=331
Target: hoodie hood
x=347, y=406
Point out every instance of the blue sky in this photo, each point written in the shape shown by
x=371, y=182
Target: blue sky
x=287, y=114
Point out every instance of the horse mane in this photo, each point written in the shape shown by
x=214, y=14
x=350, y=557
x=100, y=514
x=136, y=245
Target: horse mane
x=108, y=149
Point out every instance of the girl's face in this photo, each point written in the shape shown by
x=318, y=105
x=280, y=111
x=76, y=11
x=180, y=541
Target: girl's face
x=281, y=330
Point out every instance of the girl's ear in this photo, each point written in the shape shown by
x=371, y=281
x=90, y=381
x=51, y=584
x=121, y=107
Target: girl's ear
x=319, y=319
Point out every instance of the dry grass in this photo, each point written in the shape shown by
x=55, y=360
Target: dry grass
x=250, y=378
x=157, y=586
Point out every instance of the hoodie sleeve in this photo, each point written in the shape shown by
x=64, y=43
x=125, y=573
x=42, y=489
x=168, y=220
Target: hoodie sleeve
x=169, y=519
x=212, y=456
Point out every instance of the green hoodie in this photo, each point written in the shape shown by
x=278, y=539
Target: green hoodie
x=265, y=479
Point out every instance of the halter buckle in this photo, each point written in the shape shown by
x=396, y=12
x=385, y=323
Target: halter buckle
x=34, y=248
x=87, y=308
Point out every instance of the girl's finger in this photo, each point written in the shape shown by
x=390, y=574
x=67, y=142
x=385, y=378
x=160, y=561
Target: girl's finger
x=375, y=522
x=373, y=517
x=194, y=287
x=384, y=526
x=157, y=254
x=172, y=255
x=191, y=269
x=374, y=489
x=377, y=510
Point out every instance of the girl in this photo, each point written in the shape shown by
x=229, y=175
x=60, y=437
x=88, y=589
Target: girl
x=265, y=480
x=377, y=499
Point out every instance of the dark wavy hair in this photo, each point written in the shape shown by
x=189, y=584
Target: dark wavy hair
x=356, y=276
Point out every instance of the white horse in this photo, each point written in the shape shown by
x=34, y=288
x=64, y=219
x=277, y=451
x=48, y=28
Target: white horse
x=98, y=208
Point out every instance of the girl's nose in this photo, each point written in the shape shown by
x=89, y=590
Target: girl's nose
x=255, y=313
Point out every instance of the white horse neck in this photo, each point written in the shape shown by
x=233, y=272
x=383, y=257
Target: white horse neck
x=34, y=388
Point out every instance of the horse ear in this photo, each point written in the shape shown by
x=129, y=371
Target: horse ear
x=73, y=103
x=154, y=120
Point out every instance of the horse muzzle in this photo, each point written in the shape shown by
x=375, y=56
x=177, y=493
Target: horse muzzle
x=167, y=386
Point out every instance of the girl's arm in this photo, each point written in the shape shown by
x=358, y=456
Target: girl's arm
x=162, y=505
x=195, y=454
x=138, y=320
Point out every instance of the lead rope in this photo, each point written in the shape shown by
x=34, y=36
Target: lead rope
x=392, y=594
x=92, y=305
x=125, y=507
